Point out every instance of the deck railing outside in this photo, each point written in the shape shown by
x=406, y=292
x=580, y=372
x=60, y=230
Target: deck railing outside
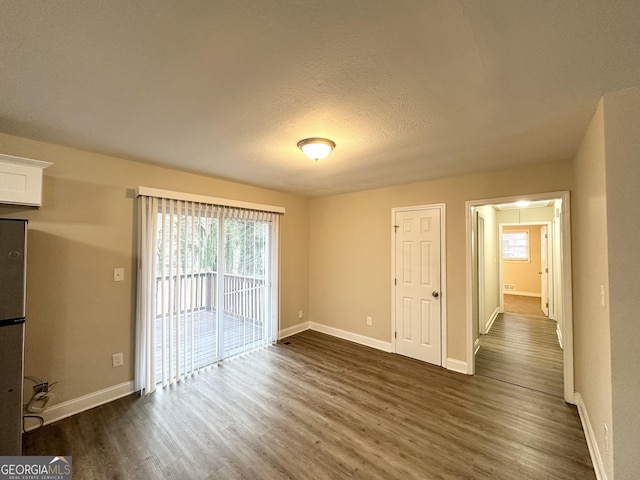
x=244, y=296
x=195, y=299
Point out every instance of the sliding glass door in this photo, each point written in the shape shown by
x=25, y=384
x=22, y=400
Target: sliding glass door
x=186, y=327
x=245, y=288
x=211, y=282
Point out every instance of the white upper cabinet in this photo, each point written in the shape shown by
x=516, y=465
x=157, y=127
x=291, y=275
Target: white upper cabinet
x=21, y=180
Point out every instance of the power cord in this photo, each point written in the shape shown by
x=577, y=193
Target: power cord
x=39, y=401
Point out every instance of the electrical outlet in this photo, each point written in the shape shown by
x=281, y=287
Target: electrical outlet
x=300, y=315
x=117, y=360
x=118, y=274
x=369, y=321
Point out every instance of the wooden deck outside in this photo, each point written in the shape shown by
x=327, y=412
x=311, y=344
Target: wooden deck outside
x=196, y=295
x=239, y=335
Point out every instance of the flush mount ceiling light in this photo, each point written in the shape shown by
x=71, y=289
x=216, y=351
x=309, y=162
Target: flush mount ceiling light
x=316, y=148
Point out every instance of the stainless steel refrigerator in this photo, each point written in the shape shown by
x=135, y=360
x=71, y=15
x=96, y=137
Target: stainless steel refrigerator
x=13, y=263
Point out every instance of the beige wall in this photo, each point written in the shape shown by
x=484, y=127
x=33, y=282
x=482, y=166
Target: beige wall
x=592, y=345
x=77, y=315
x=350, y=246
x=524, y=275
x=605, y=253
x=622, y=146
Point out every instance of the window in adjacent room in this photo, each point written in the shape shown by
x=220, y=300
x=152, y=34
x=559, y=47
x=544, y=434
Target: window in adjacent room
x=515, y=245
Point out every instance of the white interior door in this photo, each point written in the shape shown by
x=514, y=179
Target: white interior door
x=418, y=299
x=544, y=271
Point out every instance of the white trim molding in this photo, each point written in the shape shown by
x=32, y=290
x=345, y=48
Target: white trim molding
x=457, y=366
x=292, y=330
x=559, y=334
x=80, y=404
x=352, y=337
x=492, y=319
x=476, y=346
x=594, y=451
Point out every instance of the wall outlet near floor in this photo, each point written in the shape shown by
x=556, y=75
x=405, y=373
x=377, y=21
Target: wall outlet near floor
x=117, y=360
x=369, y=321
x=300, y=314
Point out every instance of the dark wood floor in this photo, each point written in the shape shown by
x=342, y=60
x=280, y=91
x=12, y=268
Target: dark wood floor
x=323, y=408
x=523, y=350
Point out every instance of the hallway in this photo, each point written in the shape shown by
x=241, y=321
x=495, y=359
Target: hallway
x=522, y=350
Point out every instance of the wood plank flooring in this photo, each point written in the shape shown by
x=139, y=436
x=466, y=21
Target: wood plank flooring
x=324, y=408
x=523, y=350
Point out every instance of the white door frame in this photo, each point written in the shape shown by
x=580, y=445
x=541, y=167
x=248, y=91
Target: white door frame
x=567, y=309
x=482, y=326
x=546, y=268
x=443, y=277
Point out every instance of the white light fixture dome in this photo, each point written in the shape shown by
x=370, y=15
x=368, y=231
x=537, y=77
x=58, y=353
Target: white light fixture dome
x=316, y=148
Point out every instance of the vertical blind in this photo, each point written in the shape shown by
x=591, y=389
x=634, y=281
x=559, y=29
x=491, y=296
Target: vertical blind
x=207, y=286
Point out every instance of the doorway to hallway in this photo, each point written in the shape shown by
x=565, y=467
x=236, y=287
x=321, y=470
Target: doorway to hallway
x=521, y=346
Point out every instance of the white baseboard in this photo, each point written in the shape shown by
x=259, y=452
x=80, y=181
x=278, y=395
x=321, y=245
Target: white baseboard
x=80, y=404
x=492, y=319
x=352, y=337
x=523, y=294
x=594, y=452
x=338, y=333
x=451, y=363
x=559, y=333
x=476, y=346
x=287, y=332
x=457, y=366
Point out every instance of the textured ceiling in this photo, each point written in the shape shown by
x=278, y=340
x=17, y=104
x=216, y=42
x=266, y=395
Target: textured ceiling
x=409, y=90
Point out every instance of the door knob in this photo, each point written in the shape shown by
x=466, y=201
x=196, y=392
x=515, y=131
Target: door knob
x=435, y=294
